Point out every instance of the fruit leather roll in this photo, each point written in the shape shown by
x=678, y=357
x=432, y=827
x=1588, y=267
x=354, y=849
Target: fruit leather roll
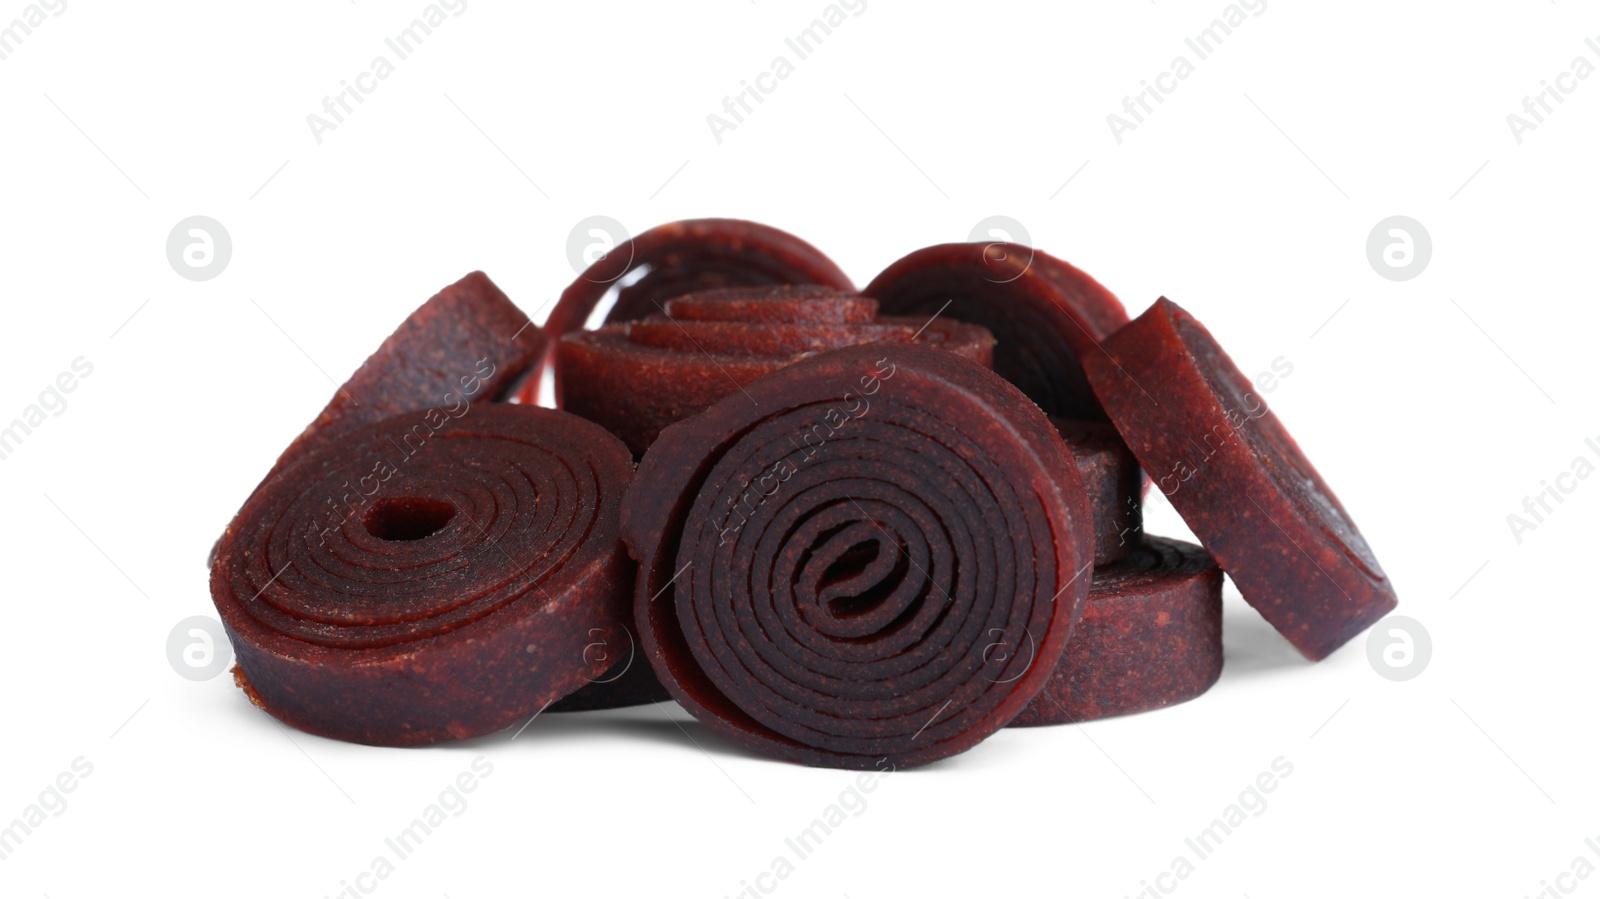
x=1046, y=315
x=404, y=583
x=1150, y=636
x=684, y=257
x=638, y=377
x=827, y=556
x=1115, y=484
x=467, y=344
x=1241, y=483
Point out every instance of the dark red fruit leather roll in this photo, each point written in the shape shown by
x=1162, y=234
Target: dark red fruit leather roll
x=1115, y=484
x=638, y=377
x=683, y=257
x=468, y=343
x=1150, y=636
x=1239, y=480
x=406, y=583
x=824, y=562
x=1046, y=315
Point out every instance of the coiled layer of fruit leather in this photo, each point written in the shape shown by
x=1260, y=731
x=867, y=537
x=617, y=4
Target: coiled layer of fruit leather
x=406, y=584
x=1150, y=636
x=638, y=377
x=1239, y=480
x=684, y=257
x=824, y=561
x=1045, y=314
x=1115, y=484
x=468, y=343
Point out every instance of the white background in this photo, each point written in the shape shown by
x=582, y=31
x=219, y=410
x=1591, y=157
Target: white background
x=1434, y=406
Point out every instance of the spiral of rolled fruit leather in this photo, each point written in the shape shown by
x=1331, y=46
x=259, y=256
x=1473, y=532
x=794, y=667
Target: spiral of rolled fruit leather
x=1115, y=484
x=1150, y=636
x=825, y=557
x=637, y=377
x=1046, y=316
x=1239, y=480
x=467, y=343
x=406, y=583
x=684, y=257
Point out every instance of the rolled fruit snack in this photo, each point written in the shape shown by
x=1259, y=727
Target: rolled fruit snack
x=825, y=561
x=1046, y=316
x=683, y=257
x=468, y=343
x=404, y=584
x=1150, y=636
x=635, y=378
x=1239, y=480
x=467, y=346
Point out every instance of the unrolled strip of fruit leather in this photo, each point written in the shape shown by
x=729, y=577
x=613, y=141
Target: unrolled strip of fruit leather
x=467, y=344
x=1150, y=636
x=479, y=581
x=1046, y=315
x=1239, y=480
x=825, y=562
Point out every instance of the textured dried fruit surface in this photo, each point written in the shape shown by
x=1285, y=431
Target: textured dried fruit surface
x=684, y=257
x=1150, y=636
x=826, y=561
x=418, y=580
x=638, y=377
x=1239, y=480
x=468, y=343
x=1115, y=484
x=1046, y=315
